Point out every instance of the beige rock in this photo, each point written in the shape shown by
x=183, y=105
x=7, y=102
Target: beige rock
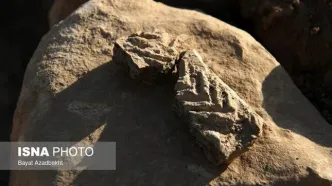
x=73, y=64
x=223, y=124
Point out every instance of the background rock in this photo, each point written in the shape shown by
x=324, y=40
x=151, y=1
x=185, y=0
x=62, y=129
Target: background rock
x=74, y=63
x=298, y=34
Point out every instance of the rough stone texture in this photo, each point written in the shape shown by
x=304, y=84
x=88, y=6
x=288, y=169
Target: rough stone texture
x=219, y=8
x=223, y=124
x=74, y=63
x=147, y=55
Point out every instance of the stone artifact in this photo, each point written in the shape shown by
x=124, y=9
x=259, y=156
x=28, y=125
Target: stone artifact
x=223, y=124
x=147, y=54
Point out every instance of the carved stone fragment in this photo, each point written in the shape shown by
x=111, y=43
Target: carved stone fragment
x=147, y=55
x=222, y=123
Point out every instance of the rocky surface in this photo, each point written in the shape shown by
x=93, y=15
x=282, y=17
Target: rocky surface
x=296, y=32
x=223, y=124
x=73, y=64
x=146, y=55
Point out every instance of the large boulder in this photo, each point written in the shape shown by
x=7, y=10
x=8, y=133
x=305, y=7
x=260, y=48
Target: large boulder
x=74, y=91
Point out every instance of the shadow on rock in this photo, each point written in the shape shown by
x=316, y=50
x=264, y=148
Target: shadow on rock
x=290, y=110
x=153, y=145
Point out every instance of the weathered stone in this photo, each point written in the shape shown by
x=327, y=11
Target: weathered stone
x=73, y=64
x=147, y=54
x=223, y=124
